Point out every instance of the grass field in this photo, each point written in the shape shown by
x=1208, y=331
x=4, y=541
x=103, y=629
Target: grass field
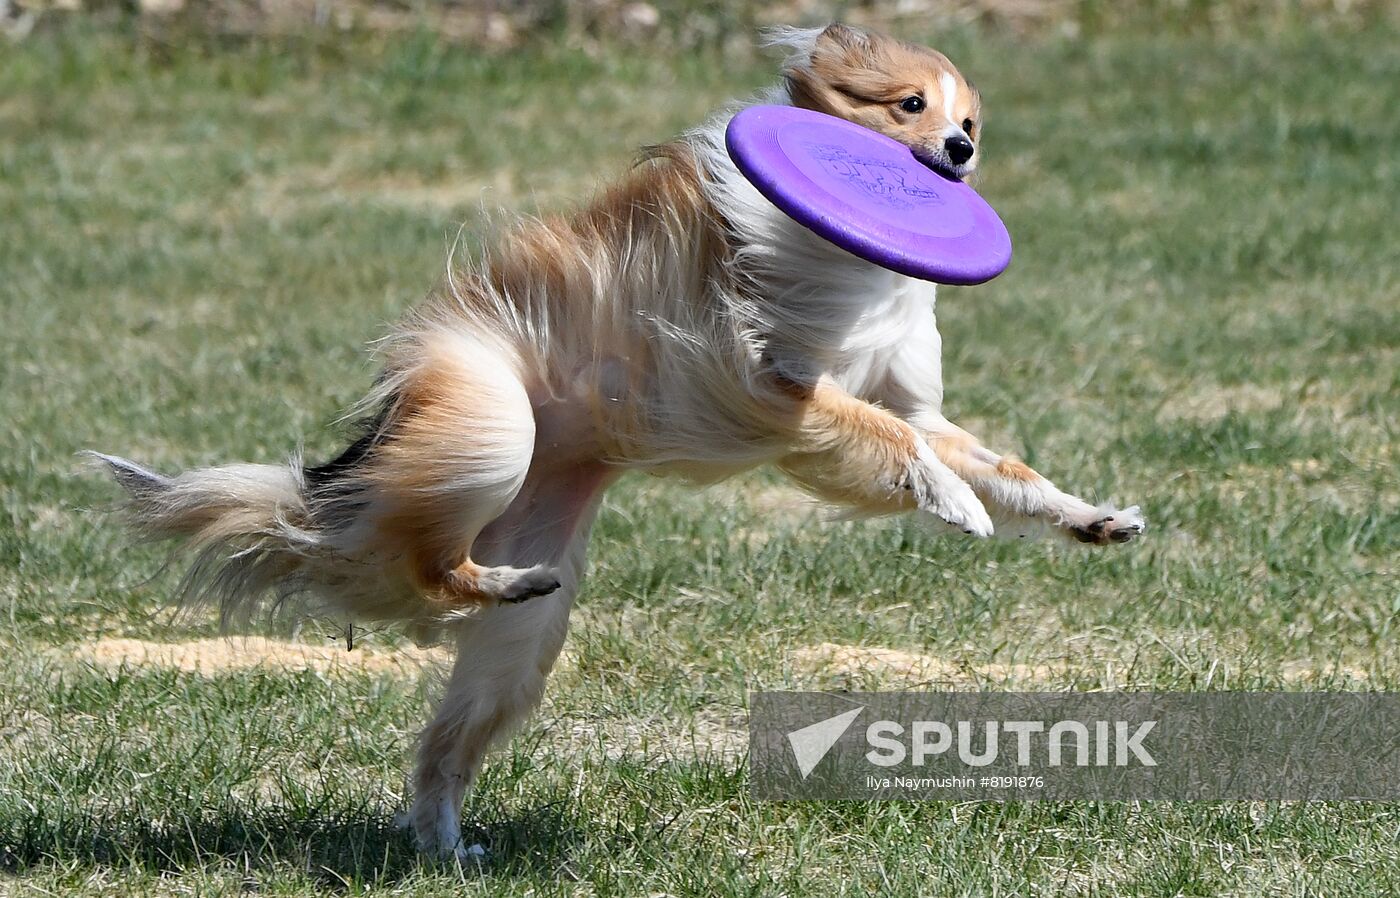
x=1203, y=317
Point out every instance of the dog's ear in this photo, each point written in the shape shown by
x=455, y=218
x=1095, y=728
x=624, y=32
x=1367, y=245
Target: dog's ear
x=835, y=55
x=836, y=43
x=843, y=39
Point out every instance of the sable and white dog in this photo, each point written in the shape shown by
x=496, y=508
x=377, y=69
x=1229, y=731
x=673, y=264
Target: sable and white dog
x=678, y=324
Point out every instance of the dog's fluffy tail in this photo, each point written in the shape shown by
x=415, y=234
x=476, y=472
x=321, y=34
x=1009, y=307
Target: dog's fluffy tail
x=249, y=526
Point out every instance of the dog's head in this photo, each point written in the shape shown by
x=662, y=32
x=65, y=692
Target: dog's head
x=910, y=93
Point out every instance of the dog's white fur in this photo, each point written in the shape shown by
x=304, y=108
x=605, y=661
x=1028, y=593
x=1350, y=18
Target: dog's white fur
x=680, y=325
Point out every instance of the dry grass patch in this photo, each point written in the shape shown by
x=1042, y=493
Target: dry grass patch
x=706, y=735
x=284, y=197
x=876, y=667
x=1203, y=403
x=884, y=665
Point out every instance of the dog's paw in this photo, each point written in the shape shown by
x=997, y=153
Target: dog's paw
x=518, y=586
x=1109, y=525
x=458, y=853
x=437, y=831
x=941, y=493
x=468, y=592
x=470, y=855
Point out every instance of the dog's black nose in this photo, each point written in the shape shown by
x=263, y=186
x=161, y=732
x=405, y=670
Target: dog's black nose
x=959, y=149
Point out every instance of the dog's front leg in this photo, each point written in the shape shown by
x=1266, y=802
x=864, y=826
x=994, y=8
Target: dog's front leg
x=1019, y=499
x=855, y=454
x=1015, y=493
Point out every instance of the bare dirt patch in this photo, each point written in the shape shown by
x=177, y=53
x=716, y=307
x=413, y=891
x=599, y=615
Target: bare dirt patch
x=216, y=656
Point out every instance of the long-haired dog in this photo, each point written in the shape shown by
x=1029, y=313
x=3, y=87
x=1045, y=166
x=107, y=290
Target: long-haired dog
x=678, y=324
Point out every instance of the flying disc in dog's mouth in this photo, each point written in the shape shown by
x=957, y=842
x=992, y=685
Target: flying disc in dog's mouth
x=869, y=194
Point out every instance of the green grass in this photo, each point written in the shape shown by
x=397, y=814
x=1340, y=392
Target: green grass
x=197, y=241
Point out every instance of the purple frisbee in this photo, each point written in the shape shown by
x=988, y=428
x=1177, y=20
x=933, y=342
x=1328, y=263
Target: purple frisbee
x=869, y=195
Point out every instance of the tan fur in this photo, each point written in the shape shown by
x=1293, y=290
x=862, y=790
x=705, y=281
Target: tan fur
x=962, y=452
x=447, y=418
x=850, y=452
x=1015, y=469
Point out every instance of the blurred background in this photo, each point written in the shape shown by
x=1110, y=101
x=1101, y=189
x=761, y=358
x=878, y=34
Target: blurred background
x=684, y=23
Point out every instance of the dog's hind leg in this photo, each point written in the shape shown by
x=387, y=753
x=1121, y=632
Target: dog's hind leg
x=455, y=450
x=505, y=655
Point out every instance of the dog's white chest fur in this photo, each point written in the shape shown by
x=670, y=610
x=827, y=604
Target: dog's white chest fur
x=851, y=319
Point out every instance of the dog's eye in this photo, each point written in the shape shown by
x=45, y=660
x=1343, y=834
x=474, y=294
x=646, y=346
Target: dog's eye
x=912, y=105
x=968, y=125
